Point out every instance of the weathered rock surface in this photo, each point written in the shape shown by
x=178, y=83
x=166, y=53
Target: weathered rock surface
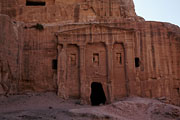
x=9, y=55
x=70, y=11
x=65, y=45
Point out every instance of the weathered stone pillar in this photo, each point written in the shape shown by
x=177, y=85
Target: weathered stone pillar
x=109, y=48
x=59, y=47
x=82, y=72
x=61, y=82
x=126, y=69
x=129, y=69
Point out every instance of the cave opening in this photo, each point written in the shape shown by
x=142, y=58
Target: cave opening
x=97, y=94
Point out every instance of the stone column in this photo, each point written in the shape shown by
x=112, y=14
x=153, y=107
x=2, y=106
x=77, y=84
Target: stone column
x=109, y=58
x=126, y=68
x=129, y=69
x=82, y=72
x=59, y=48
x=61, y=82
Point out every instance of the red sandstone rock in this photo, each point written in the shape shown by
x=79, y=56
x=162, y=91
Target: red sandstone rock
x=91, y=41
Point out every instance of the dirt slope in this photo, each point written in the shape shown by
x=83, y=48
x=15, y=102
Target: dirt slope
x=48, y=106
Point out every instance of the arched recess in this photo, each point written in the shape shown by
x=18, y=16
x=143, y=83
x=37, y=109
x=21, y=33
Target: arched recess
x=73, y=80
x=119, y=83
x=96, y=65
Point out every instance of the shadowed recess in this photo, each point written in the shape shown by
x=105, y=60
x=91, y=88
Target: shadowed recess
x=35, y=3
x=97, y=94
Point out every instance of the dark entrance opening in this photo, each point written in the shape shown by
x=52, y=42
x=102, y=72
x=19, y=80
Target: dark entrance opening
x=35, y=3
x=97, y=94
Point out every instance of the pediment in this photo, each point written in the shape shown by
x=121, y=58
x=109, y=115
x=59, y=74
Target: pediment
x=91, y=33
x=93, y=29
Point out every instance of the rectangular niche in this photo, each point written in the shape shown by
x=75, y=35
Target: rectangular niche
x=96, y=59
x=54, y=64
x=35, y=3
x=137, y=62
x=119, y=58
x=177, y=92
x=73, y=59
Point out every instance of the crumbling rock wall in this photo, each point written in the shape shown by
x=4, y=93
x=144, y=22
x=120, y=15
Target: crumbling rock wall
x=70, y=11
x=157, y=46
x=9, y=55
x=39, y=50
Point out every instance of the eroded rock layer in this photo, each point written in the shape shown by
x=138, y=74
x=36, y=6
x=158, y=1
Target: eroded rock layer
x=65, y=46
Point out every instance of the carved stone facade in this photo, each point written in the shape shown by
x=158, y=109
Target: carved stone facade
x=65, y=46
x=100, y=55
x=108, y=53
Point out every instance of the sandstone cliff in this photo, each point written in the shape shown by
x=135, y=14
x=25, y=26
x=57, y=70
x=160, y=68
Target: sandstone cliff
x=36, y=37
x=70, y=11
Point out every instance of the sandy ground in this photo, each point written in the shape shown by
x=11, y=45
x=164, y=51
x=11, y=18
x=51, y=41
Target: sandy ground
x=48, y=106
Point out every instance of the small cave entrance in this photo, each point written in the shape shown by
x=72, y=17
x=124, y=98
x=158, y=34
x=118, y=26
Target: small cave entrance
x=97, y=94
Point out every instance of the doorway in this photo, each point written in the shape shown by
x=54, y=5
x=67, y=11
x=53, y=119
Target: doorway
x=97, y=94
